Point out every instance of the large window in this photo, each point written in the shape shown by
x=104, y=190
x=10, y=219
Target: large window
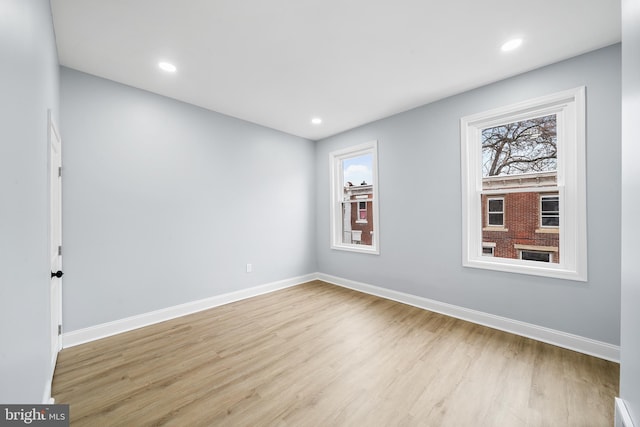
x=354, y=198
x=523, y=178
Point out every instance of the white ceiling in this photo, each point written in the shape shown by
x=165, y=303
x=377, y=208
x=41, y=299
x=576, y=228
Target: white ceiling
x=279, y=63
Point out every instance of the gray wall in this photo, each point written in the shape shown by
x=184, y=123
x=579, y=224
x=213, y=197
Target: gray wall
x=165, y=203
x=630, y=324
x=420, y=206
x=28, y=88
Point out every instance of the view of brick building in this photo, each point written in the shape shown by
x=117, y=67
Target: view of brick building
x=521, y=224
x=358, y=214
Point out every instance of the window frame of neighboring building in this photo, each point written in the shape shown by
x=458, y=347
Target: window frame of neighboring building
x=488, y=245
x=490, y=212
x=361, y=202
x=549, y=213
x=569, y=107
x=522, y=252
x=337, y=189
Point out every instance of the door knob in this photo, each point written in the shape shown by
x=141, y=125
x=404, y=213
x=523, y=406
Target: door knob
x=57, y=274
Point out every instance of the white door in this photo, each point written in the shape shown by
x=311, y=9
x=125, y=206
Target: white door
x=56, y=240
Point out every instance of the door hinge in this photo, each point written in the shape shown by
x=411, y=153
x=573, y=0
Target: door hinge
x=59, y=170
x=59, y=329
x=59, y=250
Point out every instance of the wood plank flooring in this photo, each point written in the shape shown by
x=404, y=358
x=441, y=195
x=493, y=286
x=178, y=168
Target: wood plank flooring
x=321, y=355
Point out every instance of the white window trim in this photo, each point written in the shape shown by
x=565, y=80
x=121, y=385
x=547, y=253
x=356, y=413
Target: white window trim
x=337, y=182
x=570, y=108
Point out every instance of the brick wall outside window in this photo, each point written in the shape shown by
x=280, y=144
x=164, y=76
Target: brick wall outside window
x=521, y=222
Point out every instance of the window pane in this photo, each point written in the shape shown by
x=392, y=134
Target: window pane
x=536, y=256
x=550, y=215
x=527, y=146
x=357, y=225
x=495, y=205
x=358, y=170
x=496, y=219
x=518, y=158
x=550, y=204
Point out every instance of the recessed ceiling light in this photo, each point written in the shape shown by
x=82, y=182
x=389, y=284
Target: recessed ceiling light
x=511, y=44
x=316, y=120
x=167, y=66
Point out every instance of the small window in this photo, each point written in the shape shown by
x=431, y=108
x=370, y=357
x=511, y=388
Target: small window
x=362, y=211
x=536, y=256
x=495, y=215
x=550, y=211
x=488, y=248
x=354, y=198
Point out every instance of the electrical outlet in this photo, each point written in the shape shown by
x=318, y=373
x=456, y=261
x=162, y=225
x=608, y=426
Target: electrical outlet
x=249, y=268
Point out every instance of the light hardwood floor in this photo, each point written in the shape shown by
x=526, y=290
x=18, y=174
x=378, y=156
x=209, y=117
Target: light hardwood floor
x=321, y=355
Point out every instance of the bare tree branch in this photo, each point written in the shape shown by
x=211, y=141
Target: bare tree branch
x=520, y=147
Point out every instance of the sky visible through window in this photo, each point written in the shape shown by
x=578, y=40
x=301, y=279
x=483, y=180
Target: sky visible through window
x=358, y=169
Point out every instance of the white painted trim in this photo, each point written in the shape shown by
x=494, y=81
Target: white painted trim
x=622, y=415
x=561, y=339
x=570, y=107
x=81, y=336
x=551, y=336
x=46, y=397
x=336, y=201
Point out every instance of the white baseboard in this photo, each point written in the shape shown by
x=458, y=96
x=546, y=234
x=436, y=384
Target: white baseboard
x=81, y=336
x=622, y=416
x=46, y=397
x=561, y=339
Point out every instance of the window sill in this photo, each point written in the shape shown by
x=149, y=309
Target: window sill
x=494, y=229
x=533, y=268
x=362, y=221
x=365, y=249
x=548, y=230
